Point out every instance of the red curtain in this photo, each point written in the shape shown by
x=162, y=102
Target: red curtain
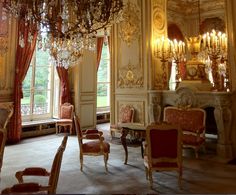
x=64, y=83
x=23, y=58
x=100, y=41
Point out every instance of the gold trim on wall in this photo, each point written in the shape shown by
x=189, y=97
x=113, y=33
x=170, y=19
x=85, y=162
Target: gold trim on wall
x=130, y=26
x=130, y=77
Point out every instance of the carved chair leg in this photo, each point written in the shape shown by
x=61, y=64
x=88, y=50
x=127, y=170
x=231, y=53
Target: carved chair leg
x=70, y=129
x=150, y=178
x=105, y=160
x=81, y=161
x=56, y=129
x=112, y=134
x=180, y=177
x=146, y=171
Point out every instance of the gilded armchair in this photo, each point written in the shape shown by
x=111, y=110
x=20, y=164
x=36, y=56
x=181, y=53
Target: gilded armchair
x=126, y=115
x=94, y=144
x=66, y=117
x=192, y=122
x=33, y=187
x=163, y=150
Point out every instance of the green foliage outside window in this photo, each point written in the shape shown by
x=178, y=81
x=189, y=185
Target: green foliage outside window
x=103, y=79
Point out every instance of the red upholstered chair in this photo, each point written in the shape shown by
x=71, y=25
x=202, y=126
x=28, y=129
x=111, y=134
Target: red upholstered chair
x=163, y=150
x=36, y=188
x=95, y=144
x=192, y=123
x=126, y=115
x=66, y=117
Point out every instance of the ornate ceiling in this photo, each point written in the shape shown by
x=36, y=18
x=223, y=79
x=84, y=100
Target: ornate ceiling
x=186, y=7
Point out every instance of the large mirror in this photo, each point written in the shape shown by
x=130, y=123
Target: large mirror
x=194, y=18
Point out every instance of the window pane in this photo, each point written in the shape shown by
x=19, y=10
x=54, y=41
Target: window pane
x=41, y=102
x=104, y=67
x=103, y=80
x=103, y=95
x=42, y=78
x=42, y=58
x=25, y=102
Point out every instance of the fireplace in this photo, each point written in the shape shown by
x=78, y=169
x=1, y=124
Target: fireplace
x=216, y=104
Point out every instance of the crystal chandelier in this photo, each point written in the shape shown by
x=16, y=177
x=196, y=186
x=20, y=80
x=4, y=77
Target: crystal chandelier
x=67, y=26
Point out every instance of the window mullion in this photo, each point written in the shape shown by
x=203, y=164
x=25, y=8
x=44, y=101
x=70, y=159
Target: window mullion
x=32, y=88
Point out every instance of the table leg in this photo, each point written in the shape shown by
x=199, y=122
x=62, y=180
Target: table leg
x=124, y=133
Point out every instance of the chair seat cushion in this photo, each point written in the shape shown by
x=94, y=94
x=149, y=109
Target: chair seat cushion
x=192, y=140
x=62, y=121
x=94, y=147
x=160, y=164
x=194, y=130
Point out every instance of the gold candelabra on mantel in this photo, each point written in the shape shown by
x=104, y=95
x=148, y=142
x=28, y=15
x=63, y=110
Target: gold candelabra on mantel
x=215, y=46
x=162, y=51
x=178, y=54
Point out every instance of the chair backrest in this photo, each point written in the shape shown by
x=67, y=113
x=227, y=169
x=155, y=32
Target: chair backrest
x=6, y=111
x=56, y=166
x=126, y=114
x=190, y=119
x=3, y=137
x=164, y=143
x=78, y=131
x=66, y=111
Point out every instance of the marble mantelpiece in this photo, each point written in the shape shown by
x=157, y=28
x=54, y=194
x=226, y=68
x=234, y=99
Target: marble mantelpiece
x=220, y=101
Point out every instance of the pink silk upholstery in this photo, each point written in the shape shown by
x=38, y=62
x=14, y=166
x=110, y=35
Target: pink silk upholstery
x=192, y=123
x=125, y=114
x=95, y=144
x=66, y=112
x=66, y=118
x=190, y=120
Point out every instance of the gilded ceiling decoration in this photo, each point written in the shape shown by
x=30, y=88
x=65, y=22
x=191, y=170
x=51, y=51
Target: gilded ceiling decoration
x=3, y=31
x=130, y=77
x=187, y=7
x=130, y=26
x=158, y=18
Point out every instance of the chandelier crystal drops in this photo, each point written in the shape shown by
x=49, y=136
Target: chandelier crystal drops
x=66, y=27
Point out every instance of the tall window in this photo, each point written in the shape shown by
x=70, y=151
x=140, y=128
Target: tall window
x=38, y=86
x=103, y=81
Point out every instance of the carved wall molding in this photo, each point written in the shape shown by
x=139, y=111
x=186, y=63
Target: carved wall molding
x=130, y=26
x=158, y=83
x=159, y=17
x=130, y=77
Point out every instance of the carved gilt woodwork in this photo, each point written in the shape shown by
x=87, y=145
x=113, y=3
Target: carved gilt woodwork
x=130, y=26
x=130, y=77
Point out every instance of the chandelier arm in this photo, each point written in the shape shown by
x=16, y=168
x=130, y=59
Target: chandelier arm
x=67, y=27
